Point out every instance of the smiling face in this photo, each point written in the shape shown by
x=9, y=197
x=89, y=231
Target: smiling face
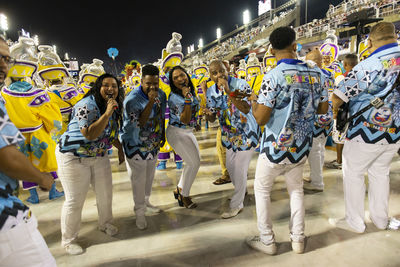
x=109, y=88
x=180, y=79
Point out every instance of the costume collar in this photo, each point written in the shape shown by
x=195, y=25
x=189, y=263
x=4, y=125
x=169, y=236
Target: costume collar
x=384, y=47
x=290, y=61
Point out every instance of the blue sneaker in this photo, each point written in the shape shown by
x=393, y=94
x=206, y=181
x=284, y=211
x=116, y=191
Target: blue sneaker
x=179, y=165
x=54, y=194
x=162, y=165
x=34, y=198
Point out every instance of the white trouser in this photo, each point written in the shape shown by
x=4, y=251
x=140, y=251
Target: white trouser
x=185, y=145
x=359, y=158
x=23, y=245
x=237, y=164
x=316, y=160
x=141, y=173
x=76, y=174
x=266, y=172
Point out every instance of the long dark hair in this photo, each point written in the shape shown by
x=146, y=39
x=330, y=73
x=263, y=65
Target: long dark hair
x=175, y=89
x=101, y=103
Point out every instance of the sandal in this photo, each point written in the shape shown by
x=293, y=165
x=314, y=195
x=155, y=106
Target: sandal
x=176, y=193
x=178, y=196
x=221, y=180
x=187, y=202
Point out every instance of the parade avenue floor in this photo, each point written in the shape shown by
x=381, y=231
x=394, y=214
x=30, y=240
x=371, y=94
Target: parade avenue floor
x=182, y=237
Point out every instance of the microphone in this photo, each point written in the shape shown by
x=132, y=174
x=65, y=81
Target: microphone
x=157, y=101
x=111, y=97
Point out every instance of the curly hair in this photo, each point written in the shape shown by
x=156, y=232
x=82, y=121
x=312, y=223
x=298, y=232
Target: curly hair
x=100, y=102
x=175, y=89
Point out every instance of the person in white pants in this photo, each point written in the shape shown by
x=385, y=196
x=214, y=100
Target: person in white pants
x=373, y=137
x=21, y=243
x=290, y=96
x=142, y=136
x=82, y=158
x=227, y=100
x=322, y=128
x=184, y=108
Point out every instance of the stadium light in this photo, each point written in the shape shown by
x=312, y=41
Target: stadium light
x=219, y=34
x=246, y=17
x=200, y=42
x=3, y=23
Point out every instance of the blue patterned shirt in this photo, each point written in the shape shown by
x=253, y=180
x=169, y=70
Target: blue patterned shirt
x=324, y=122
x=372, y=78
x=176, y=105
x=142, y=143
x=84, y=114
x=12, y=210
x=239, y=131
x=293, y=91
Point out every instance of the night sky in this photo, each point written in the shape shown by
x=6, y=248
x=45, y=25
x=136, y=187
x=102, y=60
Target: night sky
x=138, y=29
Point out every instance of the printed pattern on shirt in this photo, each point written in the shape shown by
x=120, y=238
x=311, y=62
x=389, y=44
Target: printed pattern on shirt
x=142, y=142
x=239, y=131
x=84, y=113
x=11, y=208
x=373, y=78
x=293, y=92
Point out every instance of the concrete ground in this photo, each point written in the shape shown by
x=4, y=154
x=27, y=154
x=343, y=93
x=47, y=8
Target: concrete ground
x=198, y=237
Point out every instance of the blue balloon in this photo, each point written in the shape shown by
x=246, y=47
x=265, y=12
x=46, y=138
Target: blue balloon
x=112, y=52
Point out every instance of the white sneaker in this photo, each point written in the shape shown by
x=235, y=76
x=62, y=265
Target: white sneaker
x=152, y=208
x=256, y=243
x=298, y=247
x=109, y=229
x=73, y=249
x=141, y=222
x=394, y=224
x=342, y=224
x=333, y=165
x=231, y=213
x=311, y=187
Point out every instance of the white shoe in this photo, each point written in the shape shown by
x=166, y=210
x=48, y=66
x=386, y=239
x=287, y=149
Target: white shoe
x=73, y=249
x=394, y=224
x=298, y=247
x=311, y=187
x=256, y=243
x=342, y=224
x=109, y=229
x=231, y=213
x=150, y=207
x=141, y=222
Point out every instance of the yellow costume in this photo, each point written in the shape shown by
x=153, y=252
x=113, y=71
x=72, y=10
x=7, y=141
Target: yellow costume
x=31, y=109
x=55, y=75
x=171, y=56
x=330, y=52
x=363, y=51
x=254, y=74
x=88, y=75
x=241, y=71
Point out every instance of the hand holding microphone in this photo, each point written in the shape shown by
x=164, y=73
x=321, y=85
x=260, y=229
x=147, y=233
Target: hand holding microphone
x=186, y=93
x=112, y=105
